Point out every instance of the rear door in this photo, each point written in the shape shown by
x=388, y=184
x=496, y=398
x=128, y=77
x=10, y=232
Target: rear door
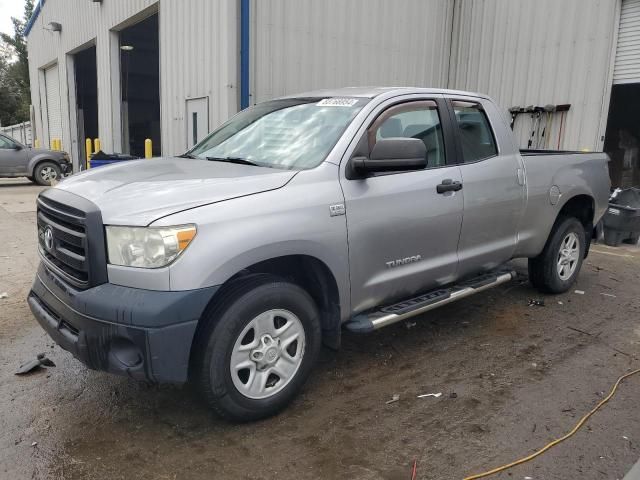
x=403, y=234
x=493, y=185
x=13, y=161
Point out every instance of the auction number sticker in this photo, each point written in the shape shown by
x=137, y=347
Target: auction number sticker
x=337, y=102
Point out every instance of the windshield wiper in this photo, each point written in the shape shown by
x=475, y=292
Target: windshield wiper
x=186, y=155
x=238, y=160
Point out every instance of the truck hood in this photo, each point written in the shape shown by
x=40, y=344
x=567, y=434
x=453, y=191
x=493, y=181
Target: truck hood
x=141, y=191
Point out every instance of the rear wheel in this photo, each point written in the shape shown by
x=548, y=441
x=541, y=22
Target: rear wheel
x=46, y=173
x=557, y=267
x=258, y=348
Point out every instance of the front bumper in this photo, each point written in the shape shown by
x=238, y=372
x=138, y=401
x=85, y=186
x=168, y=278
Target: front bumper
x=65, y=169
x=143, y=334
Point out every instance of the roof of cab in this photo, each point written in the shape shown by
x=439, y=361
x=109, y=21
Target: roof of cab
x=372, y=92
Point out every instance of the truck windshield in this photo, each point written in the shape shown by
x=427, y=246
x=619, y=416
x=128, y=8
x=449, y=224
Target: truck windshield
x=293, y=134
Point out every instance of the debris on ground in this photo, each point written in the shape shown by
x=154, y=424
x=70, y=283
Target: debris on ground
x=560, y=303
x=533, y=302
x=579, y=292
x=34, y=444
x=435, y=395
x=453, y=395
x=40, y=361
x=394, y=399
x=4, y=295
x=414, y=470
x=409, y=324
x=608, y=295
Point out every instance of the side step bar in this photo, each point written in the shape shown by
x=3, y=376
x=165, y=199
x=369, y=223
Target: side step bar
x=381, y=317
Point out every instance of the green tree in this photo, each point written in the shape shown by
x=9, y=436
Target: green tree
x=15, y=92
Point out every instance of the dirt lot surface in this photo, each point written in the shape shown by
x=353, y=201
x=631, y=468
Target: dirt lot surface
x=512, y=378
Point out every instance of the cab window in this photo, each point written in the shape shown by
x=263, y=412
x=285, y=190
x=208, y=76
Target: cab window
x=476, y=138
x=412, y=120
x=6, y=144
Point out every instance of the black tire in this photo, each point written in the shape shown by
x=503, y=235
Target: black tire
x=543, y=269
x=42, y=170
x=237, y=307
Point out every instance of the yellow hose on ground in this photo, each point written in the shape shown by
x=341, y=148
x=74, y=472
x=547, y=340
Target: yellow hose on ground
x=558, y=440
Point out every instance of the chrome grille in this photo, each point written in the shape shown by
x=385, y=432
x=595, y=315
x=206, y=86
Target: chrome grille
x=62, y=239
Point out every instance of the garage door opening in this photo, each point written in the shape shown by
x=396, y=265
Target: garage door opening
x=86, y=79
x=140, y=86
x=622, y=140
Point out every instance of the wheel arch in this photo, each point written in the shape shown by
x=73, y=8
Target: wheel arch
x=310, y=273
x=39, y=160
x=582, y=207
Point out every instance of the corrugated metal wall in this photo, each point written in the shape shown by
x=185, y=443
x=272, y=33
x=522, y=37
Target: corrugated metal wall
x=82, y=22
x=198, y=57
x=524, y=52
x=521, y=52
x=300, y=45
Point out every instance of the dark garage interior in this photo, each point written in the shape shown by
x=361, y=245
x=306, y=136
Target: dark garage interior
x=140, y=86
x=622, y=140
x=86, y=79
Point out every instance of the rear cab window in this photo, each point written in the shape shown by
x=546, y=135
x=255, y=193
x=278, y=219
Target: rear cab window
x=475, y=135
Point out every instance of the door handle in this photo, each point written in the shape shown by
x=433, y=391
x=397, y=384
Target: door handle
x=449, y=185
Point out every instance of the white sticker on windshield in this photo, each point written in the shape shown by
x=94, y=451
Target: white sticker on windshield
x=337, y=102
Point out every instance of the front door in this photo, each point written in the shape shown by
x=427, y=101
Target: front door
x=13, y=159
x=403, y=234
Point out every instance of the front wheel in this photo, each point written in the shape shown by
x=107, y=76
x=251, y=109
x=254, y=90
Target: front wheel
x=259, y=347
x=46, y=173
x=557, y=267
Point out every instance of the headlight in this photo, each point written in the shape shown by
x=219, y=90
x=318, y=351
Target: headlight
x=147, y=247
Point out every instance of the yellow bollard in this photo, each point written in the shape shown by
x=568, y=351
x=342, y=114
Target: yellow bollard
x=87, y=146
x=148, y=148
x=96, y=145
x=36, y=143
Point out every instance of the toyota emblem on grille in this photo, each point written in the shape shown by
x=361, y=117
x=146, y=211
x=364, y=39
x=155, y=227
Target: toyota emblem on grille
x=48, y=238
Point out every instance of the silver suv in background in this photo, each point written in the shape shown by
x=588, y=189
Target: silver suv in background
x=301, y=216
x=39, y=165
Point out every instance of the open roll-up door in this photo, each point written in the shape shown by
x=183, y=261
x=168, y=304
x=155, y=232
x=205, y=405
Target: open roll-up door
x=627, y=65
x=52, y=87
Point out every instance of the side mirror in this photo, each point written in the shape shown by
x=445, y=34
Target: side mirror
x=17, y=147
x=393, y=155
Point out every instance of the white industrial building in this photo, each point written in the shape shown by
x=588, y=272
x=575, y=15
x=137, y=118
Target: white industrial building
x=172, y=70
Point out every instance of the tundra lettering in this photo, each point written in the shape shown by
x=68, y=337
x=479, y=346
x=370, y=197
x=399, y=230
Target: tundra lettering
x=403, y=261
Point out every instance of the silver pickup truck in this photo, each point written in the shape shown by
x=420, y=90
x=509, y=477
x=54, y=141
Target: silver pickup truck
x=300, y=217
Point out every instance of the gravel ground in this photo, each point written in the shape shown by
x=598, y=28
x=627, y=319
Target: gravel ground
x=512, y=377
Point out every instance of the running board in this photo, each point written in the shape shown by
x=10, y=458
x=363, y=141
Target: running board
x=381, y=317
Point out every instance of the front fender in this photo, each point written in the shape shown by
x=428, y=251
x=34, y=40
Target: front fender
x=293, y=220
x=40, y=157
